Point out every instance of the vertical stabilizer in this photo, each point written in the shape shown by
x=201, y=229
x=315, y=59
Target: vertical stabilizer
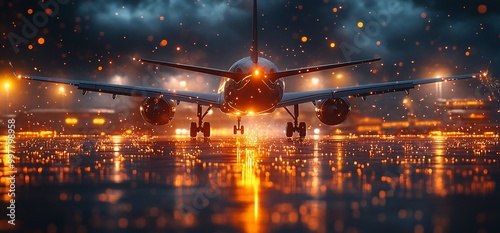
x=255, y=48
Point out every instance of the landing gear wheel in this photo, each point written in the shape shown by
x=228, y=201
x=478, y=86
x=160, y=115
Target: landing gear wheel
x=295, y=126
x=193, y=130
x=289, y=129
x=206, y=129
x=302, y=129
x=240, y=127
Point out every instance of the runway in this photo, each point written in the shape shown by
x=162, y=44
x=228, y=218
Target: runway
x=248, y=184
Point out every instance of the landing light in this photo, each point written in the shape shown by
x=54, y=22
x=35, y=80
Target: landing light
x=256, y=72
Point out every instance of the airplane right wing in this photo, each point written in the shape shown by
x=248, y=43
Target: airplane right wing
x=363, y=90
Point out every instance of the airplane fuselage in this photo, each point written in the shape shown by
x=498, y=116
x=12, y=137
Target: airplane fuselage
x=255, y=93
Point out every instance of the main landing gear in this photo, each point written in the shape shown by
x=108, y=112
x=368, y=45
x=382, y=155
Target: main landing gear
x=194, y=129
x=240, y=127
x=295, y=126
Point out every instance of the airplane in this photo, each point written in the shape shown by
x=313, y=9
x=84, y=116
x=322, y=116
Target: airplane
x=252, y=86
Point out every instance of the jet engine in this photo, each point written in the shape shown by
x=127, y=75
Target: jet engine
x=157, y=111
x=332, y=111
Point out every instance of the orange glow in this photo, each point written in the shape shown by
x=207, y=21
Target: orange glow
x=475, y=116
x=98, y=121
x=256, y=72
x=482, y=9
x=304, y=39
x=163, y=43
x=71, y=121
x=30, y=47
x=30, y=11
x=99, y=68
x=41, y=40
x=332, y=45
x=360, y=24
x=335, y=10
x=467, y=53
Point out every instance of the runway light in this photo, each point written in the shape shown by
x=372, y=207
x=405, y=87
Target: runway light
x=71, y=121
x=98, y=121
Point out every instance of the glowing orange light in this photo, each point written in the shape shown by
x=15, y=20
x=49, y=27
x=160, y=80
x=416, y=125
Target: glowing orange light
x=256, y=72
x=162, y=18
x=163, y=43
x=71, y=121
x=304, y=39
x=467, y=53
x=332, y=45
x=360, y=24
x=30, y=47
x=178, y=48
x=334, y=9
x=378, y=42
x=98, y=121
x=482, y=9
x=41, y=40
x=30, y=11
x=6, y=85
x=99, y=68
x=48, y=11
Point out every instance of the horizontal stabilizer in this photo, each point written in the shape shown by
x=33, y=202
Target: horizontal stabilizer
x=205, y=70
x=286, y=73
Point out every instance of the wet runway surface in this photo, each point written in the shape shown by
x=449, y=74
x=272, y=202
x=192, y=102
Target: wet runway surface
x=364, y=184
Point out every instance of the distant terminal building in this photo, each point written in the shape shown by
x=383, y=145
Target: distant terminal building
x=468, y=115
x=65, y=121
x=457, y=115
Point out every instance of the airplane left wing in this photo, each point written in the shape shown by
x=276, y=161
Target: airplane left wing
x=362, y=90
x=115, y=89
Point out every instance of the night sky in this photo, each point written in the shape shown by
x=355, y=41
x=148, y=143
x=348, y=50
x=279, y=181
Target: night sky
x=98, y=40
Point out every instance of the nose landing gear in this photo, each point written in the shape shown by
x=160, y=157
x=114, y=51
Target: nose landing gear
x=240, y=127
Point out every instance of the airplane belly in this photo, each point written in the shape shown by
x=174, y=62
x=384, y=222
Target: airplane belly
x=251, y=98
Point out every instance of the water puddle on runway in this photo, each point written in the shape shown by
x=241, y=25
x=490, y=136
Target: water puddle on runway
x=245, y=184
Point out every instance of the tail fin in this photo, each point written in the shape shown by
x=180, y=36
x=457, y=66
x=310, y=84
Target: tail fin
x=255, y=45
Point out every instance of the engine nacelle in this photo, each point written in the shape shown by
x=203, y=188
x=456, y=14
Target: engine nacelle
x=332, y=111
x=157, y=111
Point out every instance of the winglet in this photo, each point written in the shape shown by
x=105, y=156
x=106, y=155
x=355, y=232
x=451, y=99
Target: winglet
x=485, y=73
x=14, y=70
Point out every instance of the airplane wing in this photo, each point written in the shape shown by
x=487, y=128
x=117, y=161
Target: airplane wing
x=115, y=89
x=362, y=90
